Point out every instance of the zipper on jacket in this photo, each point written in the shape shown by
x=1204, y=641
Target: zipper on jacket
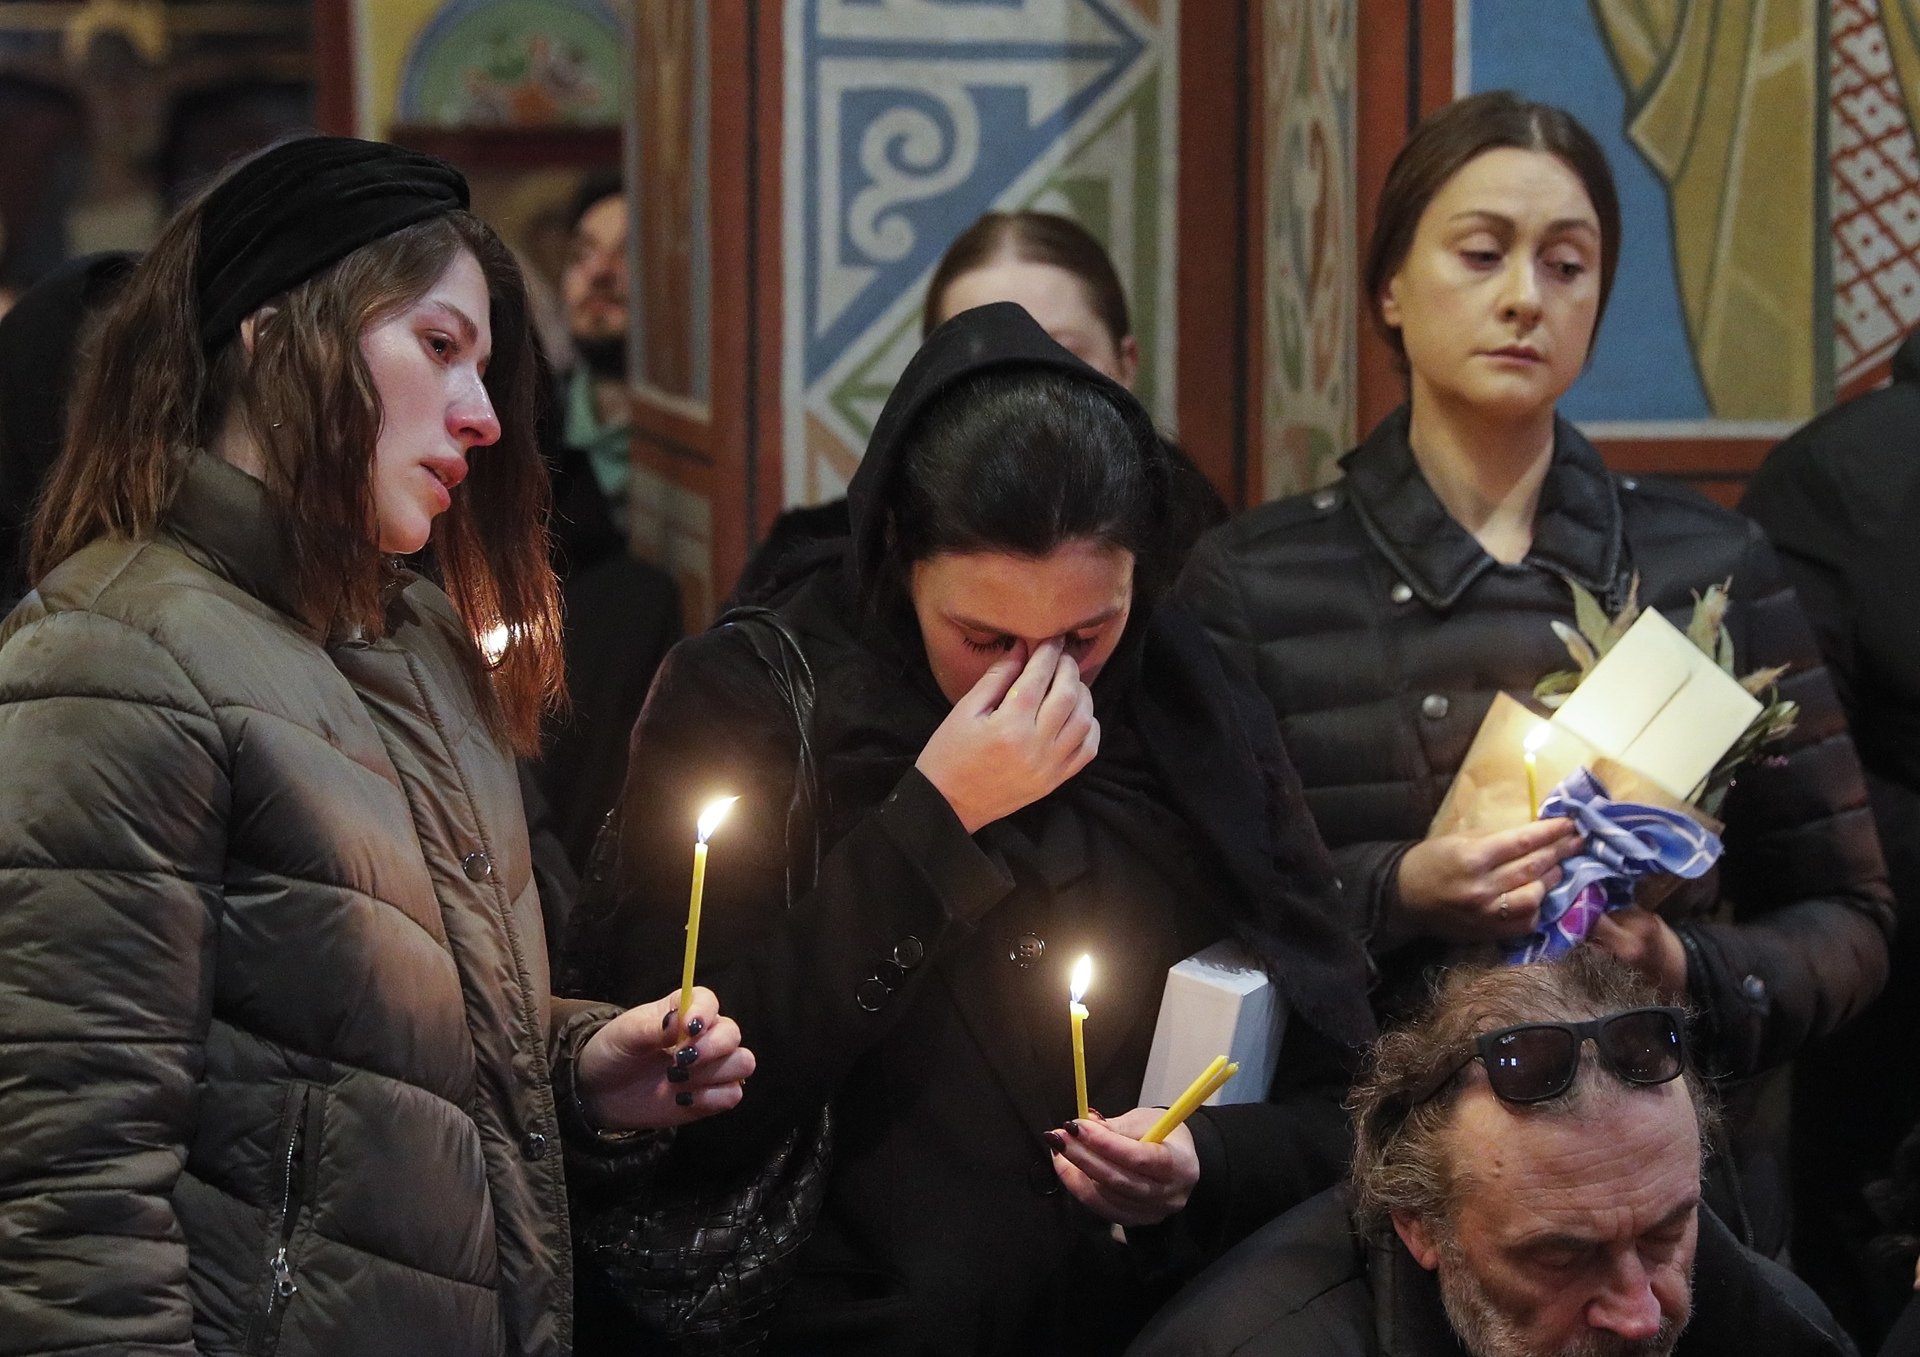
x=281, y=1287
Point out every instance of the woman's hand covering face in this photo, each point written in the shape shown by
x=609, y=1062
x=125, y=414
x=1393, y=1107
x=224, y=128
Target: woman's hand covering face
x=1021, y=731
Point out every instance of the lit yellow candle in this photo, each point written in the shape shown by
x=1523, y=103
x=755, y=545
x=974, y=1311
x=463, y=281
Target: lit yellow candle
x=1211, y=1080
x=1531, y=749
x=1077, y=1012
x=710, y=819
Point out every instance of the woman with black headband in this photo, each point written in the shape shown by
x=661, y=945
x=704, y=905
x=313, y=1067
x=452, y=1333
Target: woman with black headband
x=280, y=1069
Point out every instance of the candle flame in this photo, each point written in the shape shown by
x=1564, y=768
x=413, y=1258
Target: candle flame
x=1082, y=976
x=715, y=812
x=1537, y=737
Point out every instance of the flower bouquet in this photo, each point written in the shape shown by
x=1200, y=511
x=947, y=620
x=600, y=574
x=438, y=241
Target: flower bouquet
x=1647, y=732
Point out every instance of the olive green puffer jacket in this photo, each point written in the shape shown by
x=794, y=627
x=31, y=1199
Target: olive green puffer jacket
x=276, y=1046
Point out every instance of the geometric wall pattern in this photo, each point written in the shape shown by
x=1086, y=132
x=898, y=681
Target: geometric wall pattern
x=1308, y=300
x=907, y=119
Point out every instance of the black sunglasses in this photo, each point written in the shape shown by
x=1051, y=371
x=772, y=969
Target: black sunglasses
x=1532, y=1062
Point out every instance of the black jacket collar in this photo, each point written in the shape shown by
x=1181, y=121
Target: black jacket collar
x=1576, y=528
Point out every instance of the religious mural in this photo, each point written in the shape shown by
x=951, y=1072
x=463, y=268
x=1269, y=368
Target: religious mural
x=488, y=63
x=1770, y=188
x=1308, y=299
x=907, y=119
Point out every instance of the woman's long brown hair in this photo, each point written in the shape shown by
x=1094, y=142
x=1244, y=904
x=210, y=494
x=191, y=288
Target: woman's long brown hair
x=307, y=398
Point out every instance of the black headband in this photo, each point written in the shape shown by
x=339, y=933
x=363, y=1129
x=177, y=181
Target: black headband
x=301, y=206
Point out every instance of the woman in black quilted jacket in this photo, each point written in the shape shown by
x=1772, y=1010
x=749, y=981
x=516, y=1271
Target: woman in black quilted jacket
x=281, y=1072
x=1382, y=614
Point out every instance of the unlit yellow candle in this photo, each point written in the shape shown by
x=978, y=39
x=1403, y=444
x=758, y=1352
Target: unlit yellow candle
x=1077, y=1014
x=710, y=819
x=1210, y=1081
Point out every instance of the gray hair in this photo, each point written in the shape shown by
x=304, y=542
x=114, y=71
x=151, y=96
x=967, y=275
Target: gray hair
x=1401, y=1159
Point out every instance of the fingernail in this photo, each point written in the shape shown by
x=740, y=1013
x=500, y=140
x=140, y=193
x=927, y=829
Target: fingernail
x=1055, y=1141
x=687, y=1055
x=684, y=1098
x=667, y=1021
x=1072, y=1128
x=1096, y=1114
x=695, y=1027
x=678, y=1074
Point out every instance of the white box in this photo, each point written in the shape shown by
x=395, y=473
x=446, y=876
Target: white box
x=1217, y=1002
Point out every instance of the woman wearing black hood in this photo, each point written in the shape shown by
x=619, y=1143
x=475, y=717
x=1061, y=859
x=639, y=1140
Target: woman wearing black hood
x=1022, y=756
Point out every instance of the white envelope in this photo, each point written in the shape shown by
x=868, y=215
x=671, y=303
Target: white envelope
x=1656, y=703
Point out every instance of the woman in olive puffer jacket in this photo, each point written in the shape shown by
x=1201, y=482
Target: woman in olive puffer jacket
x=1382, y=614
x=279, y=1071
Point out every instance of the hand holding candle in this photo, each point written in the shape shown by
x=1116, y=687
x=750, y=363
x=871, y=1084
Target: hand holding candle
x=1212, y=1079
x=710, y=819
x=1077, y=1014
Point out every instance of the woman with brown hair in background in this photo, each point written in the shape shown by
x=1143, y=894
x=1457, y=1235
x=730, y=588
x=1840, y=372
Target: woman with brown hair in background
x=1052, y=267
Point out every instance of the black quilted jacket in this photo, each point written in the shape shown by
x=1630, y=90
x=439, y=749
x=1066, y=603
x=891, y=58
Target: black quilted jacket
x=273, y=992
x=1380, y=631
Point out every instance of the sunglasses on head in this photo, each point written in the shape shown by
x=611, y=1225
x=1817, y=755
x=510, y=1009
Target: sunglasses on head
x=1532, y=1062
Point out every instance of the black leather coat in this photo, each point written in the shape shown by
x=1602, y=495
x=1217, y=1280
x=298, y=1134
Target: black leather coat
x=1380, y=631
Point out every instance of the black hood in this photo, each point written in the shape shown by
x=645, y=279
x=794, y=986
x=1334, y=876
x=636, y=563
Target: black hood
x=998, y=335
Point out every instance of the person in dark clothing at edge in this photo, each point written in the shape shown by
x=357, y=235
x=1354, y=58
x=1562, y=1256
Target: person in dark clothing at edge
x=1840, y=500
x=1054, y=268
x=1382, y=614
x=621, y=613
x=1565, y=1225
x=39, y=336
x=1025, y=755
x=282, y=1071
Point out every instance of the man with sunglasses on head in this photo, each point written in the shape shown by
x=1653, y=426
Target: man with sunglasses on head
x=1526, y=1183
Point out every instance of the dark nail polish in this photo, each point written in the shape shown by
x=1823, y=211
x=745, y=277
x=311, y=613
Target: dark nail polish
x=1055, y=1141
x=687, y=1055
x=684, y=1098
x=1072, y=1128
x=677, y=1074
x=695, y=1027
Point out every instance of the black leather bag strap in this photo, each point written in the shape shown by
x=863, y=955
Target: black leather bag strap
x=780, y=653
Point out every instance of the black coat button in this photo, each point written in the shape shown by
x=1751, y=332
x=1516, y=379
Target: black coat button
x=533, y=1147
x=908, y=952
x=1026, y=949
x=890, y=974
x=1434, y=706
x=477, y=866
x=1754, y=988
x=1042, y=1179
x=871, y=993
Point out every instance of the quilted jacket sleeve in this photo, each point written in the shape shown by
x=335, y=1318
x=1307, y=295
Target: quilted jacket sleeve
x=1213, y=587
x=114, y=796
x=1801, y=942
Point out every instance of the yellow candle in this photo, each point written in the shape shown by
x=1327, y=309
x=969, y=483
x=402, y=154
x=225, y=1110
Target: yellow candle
x=1077, y=1014
x=710, y=819
x=1531, y=748
x=1211, y=1080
